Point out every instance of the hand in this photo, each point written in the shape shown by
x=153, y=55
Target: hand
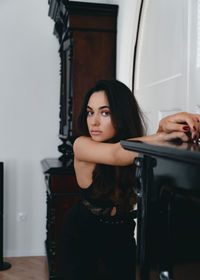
x=172, y=136
x=185, y=123
x=163, y=137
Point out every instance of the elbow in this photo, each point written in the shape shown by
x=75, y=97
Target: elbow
x=76, y=147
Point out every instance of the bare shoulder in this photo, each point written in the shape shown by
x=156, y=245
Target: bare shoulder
x=84, y=142
x=82, y=148
x=81, y=142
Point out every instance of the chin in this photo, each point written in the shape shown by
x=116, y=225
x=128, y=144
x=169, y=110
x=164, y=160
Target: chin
x=98, y=138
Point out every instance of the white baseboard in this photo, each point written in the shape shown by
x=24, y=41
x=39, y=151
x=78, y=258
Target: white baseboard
x=24, y=253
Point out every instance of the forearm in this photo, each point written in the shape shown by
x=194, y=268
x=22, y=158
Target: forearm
x=124, y=157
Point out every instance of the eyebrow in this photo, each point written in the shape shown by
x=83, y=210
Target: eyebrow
x=100, y=108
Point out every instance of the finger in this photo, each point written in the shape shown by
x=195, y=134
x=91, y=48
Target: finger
x=195, y=123
x=177, y=134
x=198, y=117
x=185, y=122
x=173, y=126
x=191, y=119
x=198, y=124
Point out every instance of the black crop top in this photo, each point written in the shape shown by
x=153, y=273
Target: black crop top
x=100, y=207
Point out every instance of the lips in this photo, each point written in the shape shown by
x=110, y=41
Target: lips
x=95, y=132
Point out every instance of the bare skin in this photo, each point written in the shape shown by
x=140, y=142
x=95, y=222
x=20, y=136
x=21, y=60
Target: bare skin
x=182, y=122
x=89, y=151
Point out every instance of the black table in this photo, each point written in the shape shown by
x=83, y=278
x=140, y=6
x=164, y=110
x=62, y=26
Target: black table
x=167, y=184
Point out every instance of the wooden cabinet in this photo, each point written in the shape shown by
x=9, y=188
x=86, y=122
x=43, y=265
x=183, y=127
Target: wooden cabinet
x=93, y=37
x=87, y=46
x=87, y=36
x=62, y=193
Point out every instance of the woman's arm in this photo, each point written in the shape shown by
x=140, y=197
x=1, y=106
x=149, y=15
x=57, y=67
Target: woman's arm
x=88, y=150
x=183, y=122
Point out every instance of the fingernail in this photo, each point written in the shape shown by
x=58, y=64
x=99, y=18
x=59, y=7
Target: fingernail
x=186, y=127
x=194, y=137
x=195, y=128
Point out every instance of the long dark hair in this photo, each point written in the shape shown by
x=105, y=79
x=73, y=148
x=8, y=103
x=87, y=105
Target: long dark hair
x=128, y=122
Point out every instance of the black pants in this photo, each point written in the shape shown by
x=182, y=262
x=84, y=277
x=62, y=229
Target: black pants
x=86, y=243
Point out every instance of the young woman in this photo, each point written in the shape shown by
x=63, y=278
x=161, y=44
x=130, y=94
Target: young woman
x=99, y=229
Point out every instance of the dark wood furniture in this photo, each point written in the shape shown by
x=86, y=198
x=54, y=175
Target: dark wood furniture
x=87, y=37
x=168, y=190
x=62, y=193
x=87, y=46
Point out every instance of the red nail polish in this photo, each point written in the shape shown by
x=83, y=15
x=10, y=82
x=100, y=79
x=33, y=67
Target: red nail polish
x=186, y=127
x=194, y=128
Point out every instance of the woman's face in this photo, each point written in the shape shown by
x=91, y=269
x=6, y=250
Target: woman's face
x=99, y=119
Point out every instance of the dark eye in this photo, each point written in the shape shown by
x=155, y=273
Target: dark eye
x=89, y=113
x=105, y=113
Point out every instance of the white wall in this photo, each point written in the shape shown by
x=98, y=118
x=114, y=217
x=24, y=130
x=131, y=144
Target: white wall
x=29, y=111
x=167, y=79
x=29, y=97
x=127, y=27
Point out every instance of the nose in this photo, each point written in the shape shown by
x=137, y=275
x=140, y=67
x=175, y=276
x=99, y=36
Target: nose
x=95, y=120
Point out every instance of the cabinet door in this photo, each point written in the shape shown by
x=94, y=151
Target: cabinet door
x=93, y=59
x=62, y=204
x=62, y=194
